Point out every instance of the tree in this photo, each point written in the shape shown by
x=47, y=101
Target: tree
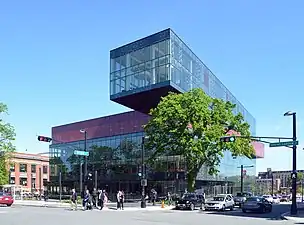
x=190, y=125
x=7, y=136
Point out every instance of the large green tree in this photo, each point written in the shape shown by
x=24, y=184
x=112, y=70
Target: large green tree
x=7, y=136
x=190, y=125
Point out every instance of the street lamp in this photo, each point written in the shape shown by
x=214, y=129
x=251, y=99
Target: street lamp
x=293, y=209
x=84, y=131
x=143, y=173
x=242, y=167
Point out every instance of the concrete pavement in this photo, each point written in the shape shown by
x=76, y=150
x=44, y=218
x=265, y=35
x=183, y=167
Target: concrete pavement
x=60, y=216
x=109, y=206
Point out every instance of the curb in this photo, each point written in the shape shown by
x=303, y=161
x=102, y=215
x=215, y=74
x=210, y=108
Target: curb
x=284, y=216
x=41, y=206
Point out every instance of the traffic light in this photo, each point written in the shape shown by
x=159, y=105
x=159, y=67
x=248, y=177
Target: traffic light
x=228, y=139
x=45, y=139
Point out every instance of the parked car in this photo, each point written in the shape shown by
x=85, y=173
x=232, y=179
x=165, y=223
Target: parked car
x=268, y=197
x=275, y=200
x=284, y=198
x=6, y=199
x=190, y=201
x=220, y=202
x=240, y=198
x=257, y=204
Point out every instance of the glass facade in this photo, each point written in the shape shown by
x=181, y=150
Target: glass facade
x=158, y=60
x=117, y=162
x=141, y=68
x=164, y=59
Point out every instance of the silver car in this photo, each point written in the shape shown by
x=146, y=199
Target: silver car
x=220, y=202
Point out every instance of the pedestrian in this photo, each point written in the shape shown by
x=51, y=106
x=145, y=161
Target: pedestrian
x=86, y=200
x=94, y=197
x=74, y=200
x=101, y=199
x=120, y=199
x=169, y=198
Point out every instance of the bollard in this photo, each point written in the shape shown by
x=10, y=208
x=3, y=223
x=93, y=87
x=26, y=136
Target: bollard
x=163, y=204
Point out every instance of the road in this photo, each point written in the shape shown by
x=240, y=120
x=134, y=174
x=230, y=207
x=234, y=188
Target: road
x=48, y=216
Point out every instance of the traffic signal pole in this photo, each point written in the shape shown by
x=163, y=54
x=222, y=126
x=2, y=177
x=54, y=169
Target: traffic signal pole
x=242, y=176
x=242, y=179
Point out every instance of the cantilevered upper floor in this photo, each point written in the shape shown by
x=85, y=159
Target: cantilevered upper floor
x=147, y=69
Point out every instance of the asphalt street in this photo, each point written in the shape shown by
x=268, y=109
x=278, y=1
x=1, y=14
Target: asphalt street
x=49, y=216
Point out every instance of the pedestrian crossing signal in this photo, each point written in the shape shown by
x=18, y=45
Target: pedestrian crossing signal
x=228, y=139
x=44, y=139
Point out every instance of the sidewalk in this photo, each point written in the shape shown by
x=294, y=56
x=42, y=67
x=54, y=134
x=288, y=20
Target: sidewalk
x=299, y=218
x=109, y=206
x=48, y=204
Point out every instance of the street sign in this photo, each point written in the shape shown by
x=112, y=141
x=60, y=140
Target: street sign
x=84, y=153
x=285, y=143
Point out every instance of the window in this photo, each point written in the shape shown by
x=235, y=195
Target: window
x=12, y=167
x=33, y=168
x=45, y=169
x=23, y=181
x=12, y=180
x=23, y=168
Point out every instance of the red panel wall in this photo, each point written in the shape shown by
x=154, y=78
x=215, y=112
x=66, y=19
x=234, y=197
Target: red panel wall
x=124, y=123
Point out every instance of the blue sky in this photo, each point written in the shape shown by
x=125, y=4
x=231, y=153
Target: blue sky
x=54, y=59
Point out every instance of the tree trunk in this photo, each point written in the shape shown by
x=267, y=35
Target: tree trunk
x=191, y=181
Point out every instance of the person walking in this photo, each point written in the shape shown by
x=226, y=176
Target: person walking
x=86, y=200
x=120, y=200
x=101, y=199
x=74, y=200
x=94, y=197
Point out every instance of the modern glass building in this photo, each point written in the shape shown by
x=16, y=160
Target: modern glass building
x=141, y=73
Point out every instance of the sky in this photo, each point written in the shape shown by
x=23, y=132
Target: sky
x=54, y=59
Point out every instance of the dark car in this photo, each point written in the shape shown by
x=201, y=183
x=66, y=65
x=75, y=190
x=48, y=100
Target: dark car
x=190, y=201
x=240, y=198
x=256, y=204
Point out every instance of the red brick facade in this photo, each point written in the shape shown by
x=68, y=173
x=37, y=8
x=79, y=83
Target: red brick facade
x=29, y=171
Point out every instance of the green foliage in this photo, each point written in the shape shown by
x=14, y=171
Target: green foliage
x=200, y=146
x=7, y=135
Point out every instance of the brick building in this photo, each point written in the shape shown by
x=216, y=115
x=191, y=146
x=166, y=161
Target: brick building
x=29, y=170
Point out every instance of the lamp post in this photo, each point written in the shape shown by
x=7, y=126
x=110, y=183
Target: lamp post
x=242, y=167
x=293, y=208
x=85, y=157
x=143, y=173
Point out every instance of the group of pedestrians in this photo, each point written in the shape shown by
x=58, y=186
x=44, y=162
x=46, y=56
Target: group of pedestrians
x=97, y=199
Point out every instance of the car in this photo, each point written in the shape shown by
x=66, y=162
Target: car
x=240, y=198
x=268, y=197
x=190, y=201
x=276, y=200
x=257, y=204
x=6, y=199
x=284, y=198
x=220, y=202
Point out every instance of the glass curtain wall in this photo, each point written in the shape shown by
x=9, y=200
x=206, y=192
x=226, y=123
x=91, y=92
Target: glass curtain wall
x=141, y=68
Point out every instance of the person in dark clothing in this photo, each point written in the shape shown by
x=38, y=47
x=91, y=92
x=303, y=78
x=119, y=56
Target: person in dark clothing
x=101, y=199
x=120, y=200
x=94, y=197
x=86, y=200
